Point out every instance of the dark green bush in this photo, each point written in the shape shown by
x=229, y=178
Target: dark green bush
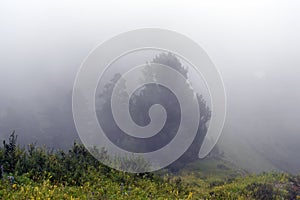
x=73, y=167
x=262, y=191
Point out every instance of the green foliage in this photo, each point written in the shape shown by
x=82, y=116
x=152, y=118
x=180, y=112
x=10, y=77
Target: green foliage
x=41, y=173
x=10, y=153
x=261, y=191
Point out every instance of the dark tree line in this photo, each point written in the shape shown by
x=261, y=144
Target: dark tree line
x=38, y=163
x=73, y=167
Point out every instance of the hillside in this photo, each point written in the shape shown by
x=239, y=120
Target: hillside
x=209, y=180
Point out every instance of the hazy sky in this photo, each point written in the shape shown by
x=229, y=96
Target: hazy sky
x=254, y=44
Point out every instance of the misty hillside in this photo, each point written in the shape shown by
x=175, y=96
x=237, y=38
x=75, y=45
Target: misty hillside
x=251, y=46
x=255, y=137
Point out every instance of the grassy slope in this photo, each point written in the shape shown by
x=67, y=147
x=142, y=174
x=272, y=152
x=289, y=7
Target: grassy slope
x=220, y=179
x=212, y=178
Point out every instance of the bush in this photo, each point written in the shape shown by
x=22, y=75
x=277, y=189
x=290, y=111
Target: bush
x=262, y=191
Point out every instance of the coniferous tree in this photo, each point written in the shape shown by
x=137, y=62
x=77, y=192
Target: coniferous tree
x=139, y=105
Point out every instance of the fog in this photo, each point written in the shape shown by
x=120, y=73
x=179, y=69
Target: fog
x=254, y=45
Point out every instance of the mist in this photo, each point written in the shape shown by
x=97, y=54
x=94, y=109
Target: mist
x=254, y=45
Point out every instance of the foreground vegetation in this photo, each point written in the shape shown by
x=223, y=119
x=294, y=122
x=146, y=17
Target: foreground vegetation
x=40, y=173
x=272, y=185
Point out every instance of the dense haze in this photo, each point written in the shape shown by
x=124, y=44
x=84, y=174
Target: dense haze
x=255, y=46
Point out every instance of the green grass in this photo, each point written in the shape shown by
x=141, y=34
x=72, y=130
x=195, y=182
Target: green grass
x=219, y=179
x=213, y=167
x=206, y=179
x=43, y=174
